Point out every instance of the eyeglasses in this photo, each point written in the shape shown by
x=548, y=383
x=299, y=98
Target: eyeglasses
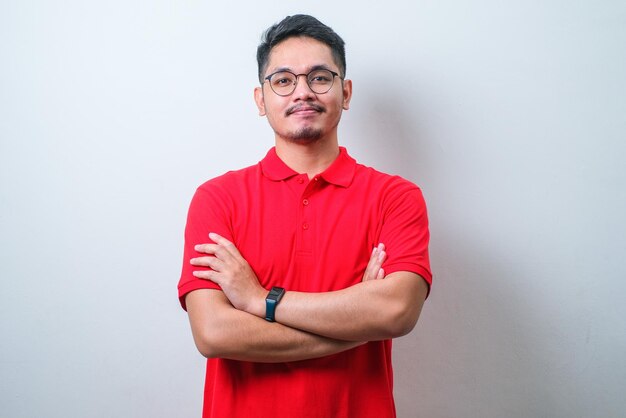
x=284, y=82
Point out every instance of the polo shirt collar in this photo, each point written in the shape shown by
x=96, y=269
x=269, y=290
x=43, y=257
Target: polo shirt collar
x=274, y=168
x=340, y=173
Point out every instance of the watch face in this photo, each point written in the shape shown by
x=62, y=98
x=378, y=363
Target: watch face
x=271, y=301
x=275, y=292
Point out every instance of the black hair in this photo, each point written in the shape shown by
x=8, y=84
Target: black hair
x=300, y=25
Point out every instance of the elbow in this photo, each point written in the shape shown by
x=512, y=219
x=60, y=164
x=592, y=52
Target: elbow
x=403, y=326
x=207, y=350
x=209, y=345
x=402, y=320
x=211, y=319
x=405, y=305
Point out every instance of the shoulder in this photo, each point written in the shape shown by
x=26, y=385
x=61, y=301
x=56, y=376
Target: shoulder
x=226, y=189
x=392, y=194
x=387, y=186
x=232, y=181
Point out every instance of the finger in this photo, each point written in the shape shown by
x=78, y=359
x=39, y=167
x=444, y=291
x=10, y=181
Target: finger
x=218, y=239
x=229, y=246
x=200, y=261
x=378, y=257
x=207, y=248
x=217, y=251
x=212, y=262
x=376, y=253
x=375, y=262
x=377, y=266
x=207, y=275
x=381, y=274
x=370, y=264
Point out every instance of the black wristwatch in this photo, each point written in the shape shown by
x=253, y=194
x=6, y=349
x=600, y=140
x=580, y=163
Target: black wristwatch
x=272, y=299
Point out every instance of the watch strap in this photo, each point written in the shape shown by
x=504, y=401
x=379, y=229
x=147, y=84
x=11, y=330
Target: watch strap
x=271, y=301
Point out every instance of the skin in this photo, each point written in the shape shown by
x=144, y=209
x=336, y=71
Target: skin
x=229, y=323
x=300, y=55
x=221, y=330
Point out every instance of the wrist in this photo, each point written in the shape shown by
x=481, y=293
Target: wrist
x=257, y=304
x=272, y=300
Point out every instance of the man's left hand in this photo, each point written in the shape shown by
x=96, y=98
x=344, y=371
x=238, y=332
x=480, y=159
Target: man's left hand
x=232, y=273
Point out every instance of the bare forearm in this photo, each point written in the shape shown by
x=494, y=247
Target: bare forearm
x=368, y=311
x=223, y=331
x=379, y=307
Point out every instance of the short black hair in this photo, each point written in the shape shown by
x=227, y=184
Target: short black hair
x=300, y=25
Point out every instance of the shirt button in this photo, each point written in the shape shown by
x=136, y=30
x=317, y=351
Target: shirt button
x=300, y=180
x=305, y=202
x=305, y=226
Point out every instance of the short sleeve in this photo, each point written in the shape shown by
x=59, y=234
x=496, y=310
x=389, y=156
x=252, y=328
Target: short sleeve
x=405, y=231
x=208, y=212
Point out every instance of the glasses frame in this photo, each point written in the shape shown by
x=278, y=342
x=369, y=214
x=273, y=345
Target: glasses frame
x=297, y=76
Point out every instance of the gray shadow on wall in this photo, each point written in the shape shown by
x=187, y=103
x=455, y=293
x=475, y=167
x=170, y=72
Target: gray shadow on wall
x=472, y=352
x=391, y=133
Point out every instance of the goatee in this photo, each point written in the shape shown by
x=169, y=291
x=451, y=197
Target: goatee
x=305, y=135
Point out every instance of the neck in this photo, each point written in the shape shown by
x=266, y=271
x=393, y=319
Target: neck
x=310, y=158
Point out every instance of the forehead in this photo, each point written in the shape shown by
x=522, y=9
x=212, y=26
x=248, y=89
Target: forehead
x=299, y=54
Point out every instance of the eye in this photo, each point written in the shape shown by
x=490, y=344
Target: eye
x=282, y=79
x=321, y=77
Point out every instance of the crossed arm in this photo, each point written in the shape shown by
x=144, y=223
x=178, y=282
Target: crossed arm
x=230, y=324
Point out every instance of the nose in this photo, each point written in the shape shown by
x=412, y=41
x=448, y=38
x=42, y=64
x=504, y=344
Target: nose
x=302, y=90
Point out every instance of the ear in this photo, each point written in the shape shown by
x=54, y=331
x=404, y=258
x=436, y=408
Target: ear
x=347, y=94
x=259, y=100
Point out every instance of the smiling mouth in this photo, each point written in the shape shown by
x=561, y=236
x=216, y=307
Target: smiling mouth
x=308, y=108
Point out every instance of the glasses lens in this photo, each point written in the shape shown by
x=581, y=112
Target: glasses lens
x=320, y=81
x=283, y=83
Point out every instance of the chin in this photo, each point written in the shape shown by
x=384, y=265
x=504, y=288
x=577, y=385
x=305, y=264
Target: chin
x=305, y=135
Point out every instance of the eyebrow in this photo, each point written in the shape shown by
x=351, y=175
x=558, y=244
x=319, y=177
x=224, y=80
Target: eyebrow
x=312, y=68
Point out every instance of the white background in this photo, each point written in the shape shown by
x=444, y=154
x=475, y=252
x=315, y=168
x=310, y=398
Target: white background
x=511, y=116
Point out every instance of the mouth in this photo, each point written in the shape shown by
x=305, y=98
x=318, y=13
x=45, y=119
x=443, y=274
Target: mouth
x=305, y=109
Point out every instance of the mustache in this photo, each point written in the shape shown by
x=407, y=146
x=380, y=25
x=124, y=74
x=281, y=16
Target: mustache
x=299, y=106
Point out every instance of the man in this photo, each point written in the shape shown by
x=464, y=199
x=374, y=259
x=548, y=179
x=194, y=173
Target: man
x=302, y=223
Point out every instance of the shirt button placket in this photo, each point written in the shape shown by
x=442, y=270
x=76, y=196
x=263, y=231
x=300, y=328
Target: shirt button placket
x=306, y=230
x=305, y=224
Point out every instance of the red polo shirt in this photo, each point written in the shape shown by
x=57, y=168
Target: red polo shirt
x=312, y=236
